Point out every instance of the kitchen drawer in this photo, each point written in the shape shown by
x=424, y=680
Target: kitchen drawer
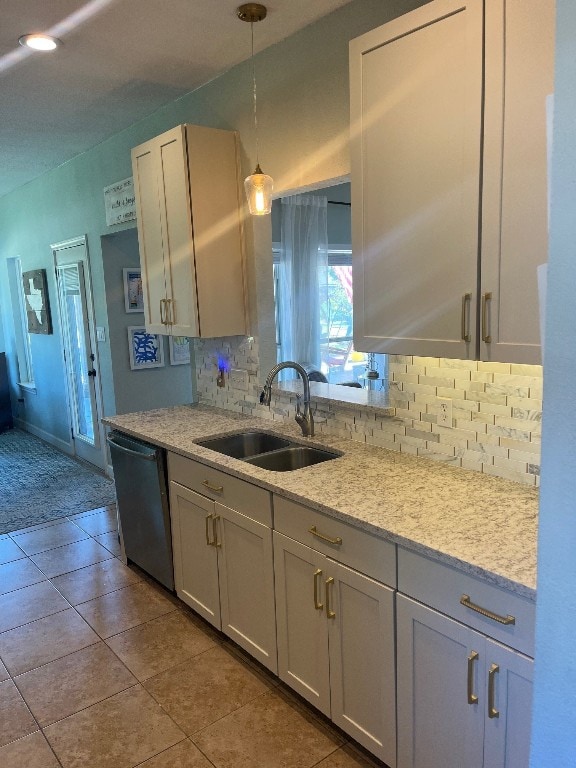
x=237, y=494
x=358, y=549
x=441, y=587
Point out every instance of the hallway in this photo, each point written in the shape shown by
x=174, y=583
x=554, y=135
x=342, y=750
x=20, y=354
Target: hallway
x=102, y=668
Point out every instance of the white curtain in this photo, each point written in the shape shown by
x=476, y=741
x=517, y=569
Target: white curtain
x=303, y=277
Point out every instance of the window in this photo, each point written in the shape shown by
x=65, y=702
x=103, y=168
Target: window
x=340, y=363
x=21, y=335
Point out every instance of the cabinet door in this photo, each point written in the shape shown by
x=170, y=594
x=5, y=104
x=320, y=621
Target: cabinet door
x=437, y=724
x=362, y=680
x=150, y=242
x=416, y=97
x=195, y=556
x=246, y=572
x=300, y=574
x=519, y=77
x=507, y=733
x=175, y=214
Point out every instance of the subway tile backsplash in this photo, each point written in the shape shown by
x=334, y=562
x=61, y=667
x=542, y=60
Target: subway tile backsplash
x=496, y=408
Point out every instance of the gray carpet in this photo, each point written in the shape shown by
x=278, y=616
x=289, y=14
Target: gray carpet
x=39, y=483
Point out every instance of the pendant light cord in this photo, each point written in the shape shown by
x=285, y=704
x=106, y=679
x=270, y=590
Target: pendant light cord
x=254, y=93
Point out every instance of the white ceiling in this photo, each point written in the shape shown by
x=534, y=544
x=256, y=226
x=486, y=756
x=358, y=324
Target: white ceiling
x=121, y=60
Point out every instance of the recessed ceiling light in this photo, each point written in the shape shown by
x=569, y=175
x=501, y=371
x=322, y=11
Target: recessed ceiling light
x=40, y=42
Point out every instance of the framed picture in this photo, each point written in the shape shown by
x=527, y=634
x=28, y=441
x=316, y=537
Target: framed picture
x=133, y=295
x=179, y=350
x=146, y=350
x=36, y=301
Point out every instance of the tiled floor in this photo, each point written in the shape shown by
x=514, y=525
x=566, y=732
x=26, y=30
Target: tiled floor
x=102, y=668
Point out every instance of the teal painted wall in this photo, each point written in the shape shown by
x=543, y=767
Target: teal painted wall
x=554, y=721
x=303, y=117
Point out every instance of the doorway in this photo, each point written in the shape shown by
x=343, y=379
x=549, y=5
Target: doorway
x=80, y=350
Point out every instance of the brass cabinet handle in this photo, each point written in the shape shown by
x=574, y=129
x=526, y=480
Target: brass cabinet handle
x=169, y=312
x=492, y=711
x=314, y=532
x=486, y=337
x=329, y=612
x=317, y=604
x=215, y=541
x=472, y=698
x=467, y=603
x=465, y=331
x=215, y=488
x=207, y=521
x=162, y=317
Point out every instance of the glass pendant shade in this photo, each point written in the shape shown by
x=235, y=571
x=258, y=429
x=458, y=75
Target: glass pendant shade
x=258, y=188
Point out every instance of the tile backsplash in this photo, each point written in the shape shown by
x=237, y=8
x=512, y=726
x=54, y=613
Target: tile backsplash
x=496, y=408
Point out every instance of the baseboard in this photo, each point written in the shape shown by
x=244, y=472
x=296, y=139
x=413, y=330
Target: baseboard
x=63, y=446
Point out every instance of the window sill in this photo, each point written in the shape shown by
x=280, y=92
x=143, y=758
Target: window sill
x=28, y=386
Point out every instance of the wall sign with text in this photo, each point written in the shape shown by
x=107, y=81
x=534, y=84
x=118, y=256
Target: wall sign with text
x=120, y=202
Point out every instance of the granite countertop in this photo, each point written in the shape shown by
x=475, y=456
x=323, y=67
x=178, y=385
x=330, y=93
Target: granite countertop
x=483, y=525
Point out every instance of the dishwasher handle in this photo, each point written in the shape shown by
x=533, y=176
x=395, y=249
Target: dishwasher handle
x=145, y=456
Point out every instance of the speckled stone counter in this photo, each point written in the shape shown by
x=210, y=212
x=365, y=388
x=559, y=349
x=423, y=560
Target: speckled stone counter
x=483, y=525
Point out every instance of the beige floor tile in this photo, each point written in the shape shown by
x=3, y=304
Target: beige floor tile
x=205, y=688
x=119, y=732
x=110, y=541
x=18, y=574
x=29, y=604
x=63, y=532
x=9, y=550
x=15, y=718
x=97, y=521
x=37, y=526
x=3, y=673
x=95, y=580
x=266, y=732
x=183, y=755
x=70, y=557
x=349, y=757
x=72, y=683
x=45, y=640
x=125, y=608
x=32, y=751
x=161, y=644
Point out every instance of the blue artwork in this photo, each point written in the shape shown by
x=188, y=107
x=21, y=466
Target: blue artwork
x=146, y=349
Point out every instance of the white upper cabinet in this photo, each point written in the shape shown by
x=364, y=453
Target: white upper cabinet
x=189, y=232
x=448, y=153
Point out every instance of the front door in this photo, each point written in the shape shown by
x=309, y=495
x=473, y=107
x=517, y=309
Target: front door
x=80, y=351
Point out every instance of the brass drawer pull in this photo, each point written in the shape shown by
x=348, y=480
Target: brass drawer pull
x=208, y=518
x=329, y=612
x=467, y=603
x=492, y=711
x=162, y=318
x=317, y=604
x=314, y=532
x=486, y=337
x=472, y=698
x=215, y=488
x=169, y=312
x=465, y=331
x=215, y=541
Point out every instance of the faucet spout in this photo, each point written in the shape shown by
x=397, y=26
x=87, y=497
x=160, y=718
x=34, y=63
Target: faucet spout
x=303, y=418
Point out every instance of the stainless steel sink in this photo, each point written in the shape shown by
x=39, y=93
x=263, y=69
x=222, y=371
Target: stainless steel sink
x=294, y=457
x=243, y=444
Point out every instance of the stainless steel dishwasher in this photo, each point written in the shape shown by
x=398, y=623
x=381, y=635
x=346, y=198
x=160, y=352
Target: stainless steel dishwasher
x=142, y=496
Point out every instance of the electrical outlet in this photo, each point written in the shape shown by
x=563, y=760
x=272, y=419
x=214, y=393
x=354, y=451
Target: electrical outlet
x=445, y=412
x=239, y=378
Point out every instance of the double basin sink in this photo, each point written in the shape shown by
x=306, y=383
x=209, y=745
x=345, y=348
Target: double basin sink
x=268, y=451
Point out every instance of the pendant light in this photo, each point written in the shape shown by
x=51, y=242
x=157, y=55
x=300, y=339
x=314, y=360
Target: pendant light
x=258, y=185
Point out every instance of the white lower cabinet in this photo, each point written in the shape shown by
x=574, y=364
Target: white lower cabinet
x=336, y=642
x=463, y=699
x=223, y=569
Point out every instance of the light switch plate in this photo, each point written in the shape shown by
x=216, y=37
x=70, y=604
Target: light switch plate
x=239, y=378
x=100, y=333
